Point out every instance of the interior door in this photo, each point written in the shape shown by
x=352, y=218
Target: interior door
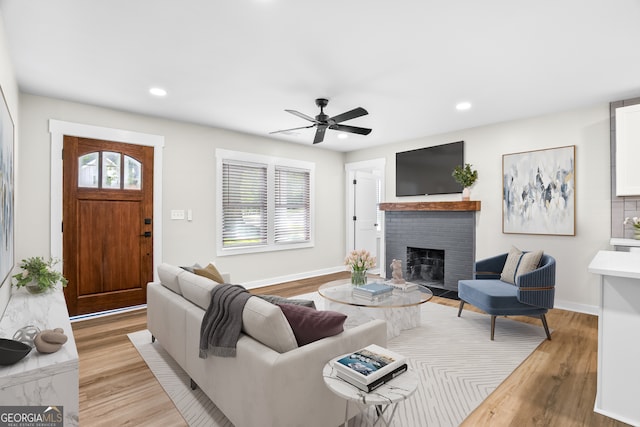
x=366, y=212
x=107, y=224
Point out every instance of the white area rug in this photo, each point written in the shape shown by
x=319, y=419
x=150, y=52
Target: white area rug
x=459, y=366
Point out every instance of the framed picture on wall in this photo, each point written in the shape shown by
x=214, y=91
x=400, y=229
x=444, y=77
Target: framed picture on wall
x=538, y=192
x=6, y=191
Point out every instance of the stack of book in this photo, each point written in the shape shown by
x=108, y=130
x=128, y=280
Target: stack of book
x=372, y=291
x=405, y=287
x=370, y=367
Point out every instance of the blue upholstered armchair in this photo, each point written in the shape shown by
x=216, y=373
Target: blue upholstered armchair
x=532, y=295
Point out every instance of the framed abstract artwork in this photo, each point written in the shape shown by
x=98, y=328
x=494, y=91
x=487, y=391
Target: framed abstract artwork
x=6, y=191
x=538, y=192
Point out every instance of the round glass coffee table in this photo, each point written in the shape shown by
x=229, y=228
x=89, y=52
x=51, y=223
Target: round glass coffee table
x=401, y=309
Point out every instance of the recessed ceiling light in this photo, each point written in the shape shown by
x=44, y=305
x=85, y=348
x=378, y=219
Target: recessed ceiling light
x=463, y=106
x=157, y=91
x=343, y=136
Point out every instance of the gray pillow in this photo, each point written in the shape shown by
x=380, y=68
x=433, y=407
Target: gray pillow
x=190, y=268
x=275, y=299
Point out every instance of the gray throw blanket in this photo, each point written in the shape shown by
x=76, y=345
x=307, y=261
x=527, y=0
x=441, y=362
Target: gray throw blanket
x=222, y=322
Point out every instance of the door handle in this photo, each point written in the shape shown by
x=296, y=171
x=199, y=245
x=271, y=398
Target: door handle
x=146, y=234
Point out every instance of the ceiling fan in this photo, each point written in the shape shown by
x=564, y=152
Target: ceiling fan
x=324, y=122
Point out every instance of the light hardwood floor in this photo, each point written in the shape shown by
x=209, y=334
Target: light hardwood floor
x=555, y=386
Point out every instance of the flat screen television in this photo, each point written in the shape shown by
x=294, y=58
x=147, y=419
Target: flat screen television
x=428, y=170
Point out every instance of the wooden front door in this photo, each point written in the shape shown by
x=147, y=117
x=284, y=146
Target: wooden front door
x=107, y=224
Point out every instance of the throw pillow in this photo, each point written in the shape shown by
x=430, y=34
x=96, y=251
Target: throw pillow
x=210, y=272
x=528, y=262
x=511, y=266
x=311, y=325
x=191, y=268
x=275, y=299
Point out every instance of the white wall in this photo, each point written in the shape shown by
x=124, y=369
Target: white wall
x=10, y=90
x=588, y=130
x=188, y=183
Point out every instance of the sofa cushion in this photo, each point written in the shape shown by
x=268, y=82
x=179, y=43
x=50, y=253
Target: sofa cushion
x=168, y=275
x=190, y=268
x=196, y=289
x=276, y=299
x=210, y=272
x=266, y=323
x=311, y=325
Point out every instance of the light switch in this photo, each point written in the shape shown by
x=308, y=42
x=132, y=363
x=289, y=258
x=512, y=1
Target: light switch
x=177, y=214
x=189, y=215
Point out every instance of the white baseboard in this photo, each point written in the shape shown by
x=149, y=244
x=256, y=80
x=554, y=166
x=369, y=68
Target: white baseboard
x=292, y=277
x=580, y=308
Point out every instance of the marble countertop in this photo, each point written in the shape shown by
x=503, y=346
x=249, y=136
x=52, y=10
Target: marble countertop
x=46, y=311
x=615, y=263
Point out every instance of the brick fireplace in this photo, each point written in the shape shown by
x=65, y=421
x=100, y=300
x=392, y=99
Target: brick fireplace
x=433, y=235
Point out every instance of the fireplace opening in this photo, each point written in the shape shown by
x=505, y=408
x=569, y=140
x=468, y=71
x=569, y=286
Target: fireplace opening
x=425, y=267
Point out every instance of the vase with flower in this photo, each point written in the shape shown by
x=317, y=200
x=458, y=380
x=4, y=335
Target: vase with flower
x=635, y=222
x=358, y=262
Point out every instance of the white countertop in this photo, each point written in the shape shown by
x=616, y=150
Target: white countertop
x=46, y=311
x=615, y=263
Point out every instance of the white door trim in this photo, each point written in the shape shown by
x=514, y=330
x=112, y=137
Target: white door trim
x=58, y=130
x=374, y=165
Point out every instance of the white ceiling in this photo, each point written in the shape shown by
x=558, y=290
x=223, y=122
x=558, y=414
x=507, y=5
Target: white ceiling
x=238, y=64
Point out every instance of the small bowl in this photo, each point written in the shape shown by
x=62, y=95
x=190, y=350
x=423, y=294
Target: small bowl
x=12, y=351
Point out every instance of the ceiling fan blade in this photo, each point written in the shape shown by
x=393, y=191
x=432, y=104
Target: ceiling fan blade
x=320, y=134
x=288, y=130
x=301, y=115
x=351, y=129
x=356, y=112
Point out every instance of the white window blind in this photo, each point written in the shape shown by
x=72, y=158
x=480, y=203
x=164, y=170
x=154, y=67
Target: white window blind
x=263, y=203
x=244, y=199
x=292, y=218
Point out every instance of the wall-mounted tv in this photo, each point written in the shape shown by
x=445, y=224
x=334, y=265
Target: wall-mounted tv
x=428, y=170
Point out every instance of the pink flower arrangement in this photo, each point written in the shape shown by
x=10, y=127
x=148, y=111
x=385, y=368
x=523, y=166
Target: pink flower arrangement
x=359, y=260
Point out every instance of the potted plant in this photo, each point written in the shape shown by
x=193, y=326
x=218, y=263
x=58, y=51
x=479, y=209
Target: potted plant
x=38, y=275
x=466, y=177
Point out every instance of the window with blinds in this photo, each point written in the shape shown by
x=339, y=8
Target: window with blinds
x=244, y=199
x=292, y=210
x=264, y=203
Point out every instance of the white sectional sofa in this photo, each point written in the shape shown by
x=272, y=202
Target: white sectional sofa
x=271, y=381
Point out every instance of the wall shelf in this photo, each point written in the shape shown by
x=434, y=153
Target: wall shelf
x=465, y=205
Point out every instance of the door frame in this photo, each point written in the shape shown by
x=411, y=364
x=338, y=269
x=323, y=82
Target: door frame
x=58, y=129
x=376, y=166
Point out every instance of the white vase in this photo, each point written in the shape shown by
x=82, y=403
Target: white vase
x=466, y=193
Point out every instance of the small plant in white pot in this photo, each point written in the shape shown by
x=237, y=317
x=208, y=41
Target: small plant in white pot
x=466, y=177
x=38, y=275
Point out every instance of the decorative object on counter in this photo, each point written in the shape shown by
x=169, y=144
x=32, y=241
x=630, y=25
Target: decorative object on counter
x=11, y=351
x=39, y=275
x=466, y=177
x=396, y=272
x=26, y=334
x=50, y=341
x=358, y=262
x=635, y=221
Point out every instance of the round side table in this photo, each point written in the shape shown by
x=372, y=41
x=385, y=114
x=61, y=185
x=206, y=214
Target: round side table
x=385, y=398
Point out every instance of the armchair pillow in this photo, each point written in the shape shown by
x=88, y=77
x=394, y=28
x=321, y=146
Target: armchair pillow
x=519, y=263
